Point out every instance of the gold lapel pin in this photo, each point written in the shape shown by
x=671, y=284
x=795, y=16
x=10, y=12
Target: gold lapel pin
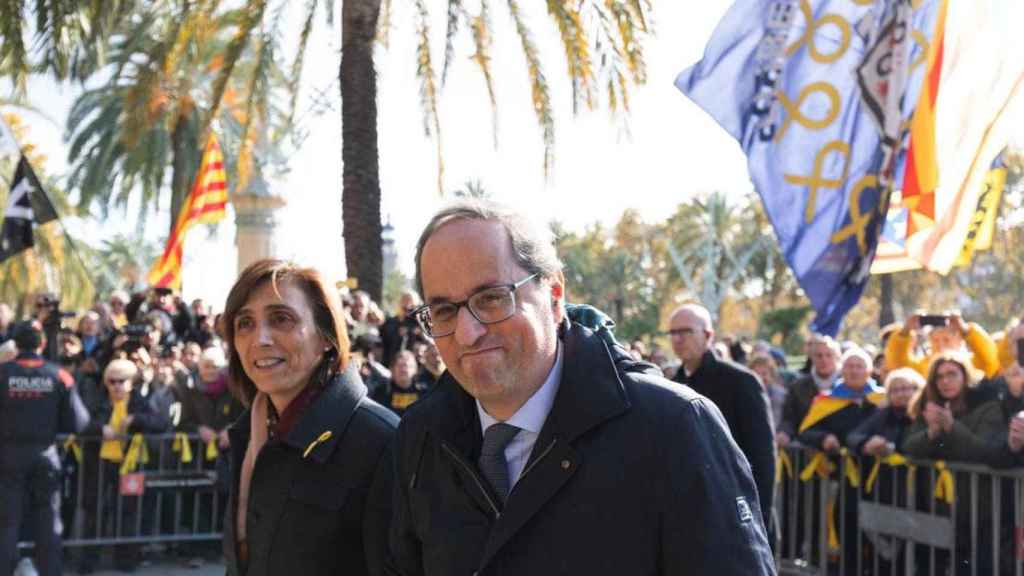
x=323, y=438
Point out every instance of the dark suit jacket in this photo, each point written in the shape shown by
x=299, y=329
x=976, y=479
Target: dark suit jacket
x=631, y=474
x=317, y=507
x=739, y=395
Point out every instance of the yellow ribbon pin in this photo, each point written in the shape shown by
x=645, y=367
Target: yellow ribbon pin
x=323, y=438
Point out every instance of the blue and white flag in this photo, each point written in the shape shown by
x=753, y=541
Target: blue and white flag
x=817, y=92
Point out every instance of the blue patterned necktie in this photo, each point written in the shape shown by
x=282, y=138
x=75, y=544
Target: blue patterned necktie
x=492, y=457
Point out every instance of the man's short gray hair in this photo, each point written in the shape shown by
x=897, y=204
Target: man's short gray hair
x=532, y=245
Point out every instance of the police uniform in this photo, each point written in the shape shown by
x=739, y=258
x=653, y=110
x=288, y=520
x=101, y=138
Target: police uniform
x=37, y=401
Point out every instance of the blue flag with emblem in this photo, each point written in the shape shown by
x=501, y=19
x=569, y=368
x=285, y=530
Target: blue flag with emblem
x=817, y=93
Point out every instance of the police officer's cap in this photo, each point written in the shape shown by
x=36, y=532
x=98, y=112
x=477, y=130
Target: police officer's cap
x=27, y=335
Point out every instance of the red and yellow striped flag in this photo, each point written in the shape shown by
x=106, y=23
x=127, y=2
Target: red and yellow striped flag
x=205, y=204
x=921, y=177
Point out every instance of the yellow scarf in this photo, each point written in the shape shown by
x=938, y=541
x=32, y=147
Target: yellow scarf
x=113, y=450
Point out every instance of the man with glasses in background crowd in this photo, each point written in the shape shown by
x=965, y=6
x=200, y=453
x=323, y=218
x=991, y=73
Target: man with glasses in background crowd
x=734, y=389
x=546, y=449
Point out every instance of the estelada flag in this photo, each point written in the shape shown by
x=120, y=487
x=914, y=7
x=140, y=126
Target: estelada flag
x=841, y=396
x=27, y=206
x=205, y=204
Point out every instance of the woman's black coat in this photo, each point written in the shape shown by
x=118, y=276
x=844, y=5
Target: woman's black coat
x=319, y=503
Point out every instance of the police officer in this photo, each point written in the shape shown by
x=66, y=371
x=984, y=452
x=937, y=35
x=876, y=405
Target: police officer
x=38, y=400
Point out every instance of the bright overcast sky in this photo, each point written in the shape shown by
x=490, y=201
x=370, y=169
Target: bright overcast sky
x=673, y=150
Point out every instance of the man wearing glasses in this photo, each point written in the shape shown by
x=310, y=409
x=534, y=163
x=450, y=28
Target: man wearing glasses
x=734, y=389
x=544, y=449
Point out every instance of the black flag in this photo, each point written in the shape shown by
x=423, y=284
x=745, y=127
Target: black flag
x=27, y=204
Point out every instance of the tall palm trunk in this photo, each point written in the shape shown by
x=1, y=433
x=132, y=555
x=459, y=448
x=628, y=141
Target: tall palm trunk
x=360, y=201
x=180, y=172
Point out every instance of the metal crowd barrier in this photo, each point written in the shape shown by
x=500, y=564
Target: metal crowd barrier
x=852, y=516
x=166, y=488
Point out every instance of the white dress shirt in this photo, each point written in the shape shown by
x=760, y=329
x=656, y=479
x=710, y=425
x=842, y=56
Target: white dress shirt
x=529, y=419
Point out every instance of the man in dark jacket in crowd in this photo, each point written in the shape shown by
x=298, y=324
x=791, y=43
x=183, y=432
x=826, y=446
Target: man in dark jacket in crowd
x=734, y=389
x=823, y=354
x=545, y=449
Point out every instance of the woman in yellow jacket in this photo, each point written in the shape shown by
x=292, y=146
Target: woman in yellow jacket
x=899, y=349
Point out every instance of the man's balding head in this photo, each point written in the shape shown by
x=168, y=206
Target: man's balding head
x=692, y=333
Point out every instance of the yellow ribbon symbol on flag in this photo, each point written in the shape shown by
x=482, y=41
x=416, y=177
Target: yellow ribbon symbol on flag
x=183, y=445
x=783, y=462
x=944, y=483
x=137, y=453
x=211, y=449
x=891, y=460
x=819, y=465
x=71, y=445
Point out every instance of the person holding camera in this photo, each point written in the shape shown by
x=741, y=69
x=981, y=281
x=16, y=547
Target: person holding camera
x=38, y=400
x=945, y=333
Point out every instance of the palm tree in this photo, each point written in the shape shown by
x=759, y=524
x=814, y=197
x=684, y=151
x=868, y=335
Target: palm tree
x=602, y=42
x=155, y=110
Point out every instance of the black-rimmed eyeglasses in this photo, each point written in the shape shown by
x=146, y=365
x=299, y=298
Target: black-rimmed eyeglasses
x=489, y=305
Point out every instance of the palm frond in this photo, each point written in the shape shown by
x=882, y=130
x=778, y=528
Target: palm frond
x=300, y=57
x=538, y=84
x=455, y=13
x=428, y=86
x=577, y=51
x=253, y=16
x=481, y=27
x=13, y=54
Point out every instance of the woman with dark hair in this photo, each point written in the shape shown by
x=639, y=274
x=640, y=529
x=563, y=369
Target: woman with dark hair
x=311, y=464
x=956, y=420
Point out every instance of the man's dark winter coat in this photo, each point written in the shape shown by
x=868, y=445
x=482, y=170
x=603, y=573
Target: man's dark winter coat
x=631, y=474
x=738, y=393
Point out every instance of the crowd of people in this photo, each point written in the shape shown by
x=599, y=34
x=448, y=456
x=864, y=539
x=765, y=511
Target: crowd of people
x=279, y=367
x=150, y=364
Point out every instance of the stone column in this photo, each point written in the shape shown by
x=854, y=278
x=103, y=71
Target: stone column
x=255, y=219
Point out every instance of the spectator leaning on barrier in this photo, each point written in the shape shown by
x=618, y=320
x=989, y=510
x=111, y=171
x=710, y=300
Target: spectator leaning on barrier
x=882, y=432
x=629, y=473
x=37, y=401
x=953, y=418
x=948, y=332
x=853, y=399
x=823, y=353
x=119, y=415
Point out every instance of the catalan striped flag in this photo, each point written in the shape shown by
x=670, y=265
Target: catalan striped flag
x=205, y=204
